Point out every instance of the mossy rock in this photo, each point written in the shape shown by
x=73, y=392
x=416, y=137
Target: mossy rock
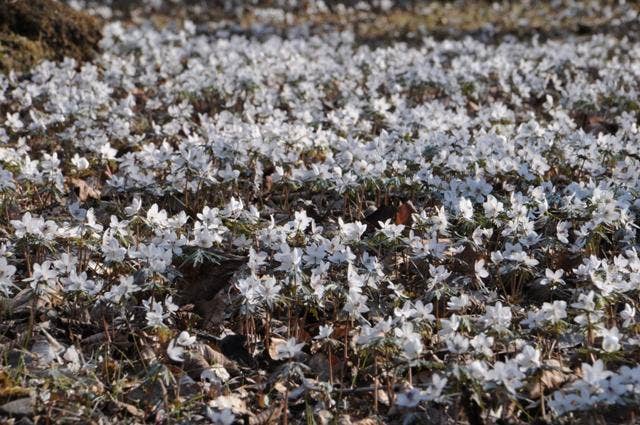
x=34, y=30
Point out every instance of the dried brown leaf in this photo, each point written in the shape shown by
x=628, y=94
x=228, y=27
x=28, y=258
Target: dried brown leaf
x=403, y=214
x=214, y=357
x=269, y=416
x=130, y=409
x=367, y=421
x=85, y=191
x=550, y=379
x=273, y=347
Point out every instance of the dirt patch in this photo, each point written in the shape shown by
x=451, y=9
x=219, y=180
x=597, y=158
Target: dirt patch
x=34, y=30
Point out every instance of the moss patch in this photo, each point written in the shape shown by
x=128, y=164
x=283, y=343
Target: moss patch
x=34, y=30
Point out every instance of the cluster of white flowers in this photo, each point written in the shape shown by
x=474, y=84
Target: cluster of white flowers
x=520, y=161
x=598, y=387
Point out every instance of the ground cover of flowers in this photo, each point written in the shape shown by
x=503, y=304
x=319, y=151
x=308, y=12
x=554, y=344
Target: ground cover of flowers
x=211, y=226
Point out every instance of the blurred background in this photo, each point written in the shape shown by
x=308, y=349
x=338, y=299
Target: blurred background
x=31, y=30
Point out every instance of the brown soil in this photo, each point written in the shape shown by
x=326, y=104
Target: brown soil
x=34, y=30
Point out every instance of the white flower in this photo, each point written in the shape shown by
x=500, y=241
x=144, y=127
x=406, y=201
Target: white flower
x=482, y=344
x=156, y=216
x=423, y=311
x=269, y=290
x=466, y=208
x=410, y=398
x=80, y=282
x=155, y=313
x=449, y=326
x=552, y=277
x=205, y=238
x=594, y=374
x=80, y=162
x=324, y=332
x=215, y=374
x=170, y=305
x=562, y=231
x=288, y=349
x=256, y=259
x=406, y=312
x=44, y=278
x=185, y=339
x=6, y=277
x=233, y=208
x=351, y=231
x=434, y=391
x=301, y=221
x=13, y=121
x=610, y=339
x=289, y=259
x=123, y=290
x=228, y=173
x=175, y=352
x=412, y=347
x=585, y=302
x=134, y=207
x=554, y=312
x=478, y=369
x=390, y=230
x=528, y=358
x=507, y=374
x=480, y=271
x=457, y=343
x=111, y=249
x=71, y=355
x=498, y=317
x=480, y=235
x=221, y=417
x=440, y=221
x=628, y=315
x=458, y=303
x=35, y=226
x=492, y=207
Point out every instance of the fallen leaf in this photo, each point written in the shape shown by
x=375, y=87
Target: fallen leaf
x=85, y=191
x=273, y=347
x=551, y=379
x=403, y=214
x=214, y=357
x=232, y=401
x=340, y=331
x=269, y=416
x=130, y=408
x=268, y=184
x=280, y=387
x=366, y=421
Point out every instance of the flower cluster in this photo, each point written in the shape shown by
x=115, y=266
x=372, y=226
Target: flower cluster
x=405, y=220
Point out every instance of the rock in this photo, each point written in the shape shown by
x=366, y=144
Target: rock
x=19, y=407
x=232, y=346
x=17, y=358
x=194, y=364
x=202, y=283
